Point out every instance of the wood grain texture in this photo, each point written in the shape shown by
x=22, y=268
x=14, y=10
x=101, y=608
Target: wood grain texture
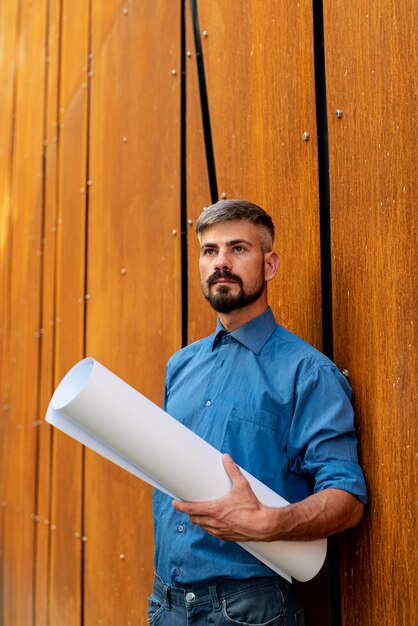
x=201, y=318
x=371, y=59
x=26, y=214
x=133, y=312
x=8, y=43
x=48, y=283
x=259, y=66
x=65, y=595
x=260, y=77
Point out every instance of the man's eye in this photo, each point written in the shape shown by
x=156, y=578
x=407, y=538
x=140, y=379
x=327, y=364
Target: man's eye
x=239, y=249
x=208, y=251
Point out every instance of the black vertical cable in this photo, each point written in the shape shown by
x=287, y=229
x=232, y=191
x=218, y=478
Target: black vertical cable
x=207, y=131
x=334, y=581
x=183, y=183
x=323, y=171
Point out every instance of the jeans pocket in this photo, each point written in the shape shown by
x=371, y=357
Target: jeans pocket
x=154, y=609
x=299, y=618
x=255, y=607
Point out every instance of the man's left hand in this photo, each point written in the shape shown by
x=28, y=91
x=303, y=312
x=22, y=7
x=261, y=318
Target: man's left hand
x=237, y=516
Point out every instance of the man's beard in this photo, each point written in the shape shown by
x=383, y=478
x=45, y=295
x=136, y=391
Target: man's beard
x=223, y=301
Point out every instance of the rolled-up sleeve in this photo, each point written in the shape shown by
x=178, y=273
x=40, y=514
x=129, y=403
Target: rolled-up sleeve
x=322, y=442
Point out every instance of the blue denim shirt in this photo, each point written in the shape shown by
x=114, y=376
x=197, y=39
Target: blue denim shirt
x=280, y=408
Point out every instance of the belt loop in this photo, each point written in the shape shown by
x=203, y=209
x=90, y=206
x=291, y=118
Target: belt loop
x=214, y=597
x=167, y=597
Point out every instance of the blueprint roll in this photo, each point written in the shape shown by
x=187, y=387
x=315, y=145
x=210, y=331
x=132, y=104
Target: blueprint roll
x=104, y=413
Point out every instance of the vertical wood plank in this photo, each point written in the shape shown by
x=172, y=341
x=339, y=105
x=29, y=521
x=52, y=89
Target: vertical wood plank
x=133, y=312
x=26, y=206
x=259, y=69
x=201, y=319
x=65, y=598
x=371, y=59
x=261, y=92
x=8, y=42
x=42, y=503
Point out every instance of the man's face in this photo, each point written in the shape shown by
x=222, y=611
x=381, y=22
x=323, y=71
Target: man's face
x=231, y=265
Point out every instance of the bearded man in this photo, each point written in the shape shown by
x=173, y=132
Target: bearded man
x=276, y=407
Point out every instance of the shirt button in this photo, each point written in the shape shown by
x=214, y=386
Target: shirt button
x=180, y=528
x=177, y=571
x=208, y=403
x=190, y=597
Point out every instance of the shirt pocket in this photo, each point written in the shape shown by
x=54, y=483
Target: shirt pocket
x=254, y=439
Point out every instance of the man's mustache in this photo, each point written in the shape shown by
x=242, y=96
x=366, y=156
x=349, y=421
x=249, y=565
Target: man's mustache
x=225, y=275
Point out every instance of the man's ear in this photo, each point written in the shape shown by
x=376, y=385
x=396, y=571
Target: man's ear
x=271, y=264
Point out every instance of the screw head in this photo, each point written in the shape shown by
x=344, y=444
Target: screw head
x=305, y=136
x=338, y=114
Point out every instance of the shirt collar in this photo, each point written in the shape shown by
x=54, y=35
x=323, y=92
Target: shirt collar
x=253, y=335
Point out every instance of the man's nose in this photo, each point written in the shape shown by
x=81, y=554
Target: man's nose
x=223, y=260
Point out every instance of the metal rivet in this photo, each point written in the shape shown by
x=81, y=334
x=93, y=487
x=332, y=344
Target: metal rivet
x=84, y=538
x=89, y=182
x=125, y=139
x=345, y=372
x=174, y=232
x=123, y=271
x=46, y=522
x=223, y=195
x=305, y=136
x=87, y=296
x=338, y=113
x=91, y=56
x=125, y=11
x=53, y=527
x=77, y=535
x=174, y=72
x=188, y=53
x=82, y=189
x=189, y=221
x=205, y=33
x=122, y=557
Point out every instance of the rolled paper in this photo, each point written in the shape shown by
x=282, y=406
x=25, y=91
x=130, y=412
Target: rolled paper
x=104, y=413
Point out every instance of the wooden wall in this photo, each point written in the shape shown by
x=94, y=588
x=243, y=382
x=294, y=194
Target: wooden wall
x=120, y=122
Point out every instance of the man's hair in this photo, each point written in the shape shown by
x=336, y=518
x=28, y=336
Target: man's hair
x=235, y=211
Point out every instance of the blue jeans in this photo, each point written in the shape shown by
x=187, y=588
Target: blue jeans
x=268, y=601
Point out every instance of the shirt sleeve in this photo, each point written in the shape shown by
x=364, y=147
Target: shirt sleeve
x=322, y=441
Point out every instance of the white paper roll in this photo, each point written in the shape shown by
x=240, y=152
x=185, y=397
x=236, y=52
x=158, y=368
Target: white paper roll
x=104, y=413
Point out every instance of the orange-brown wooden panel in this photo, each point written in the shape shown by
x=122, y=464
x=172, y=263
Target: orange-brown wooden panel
x=42, y=510
x=259, y=67
x=8, y=32
x=372, y=77
x=201, y=318
x=67, y=461
x=260, y=79
x=133, y=310
x=26, y=205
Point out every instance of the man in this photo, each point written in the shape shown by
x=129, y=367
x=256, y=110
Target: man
x=279, y=409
